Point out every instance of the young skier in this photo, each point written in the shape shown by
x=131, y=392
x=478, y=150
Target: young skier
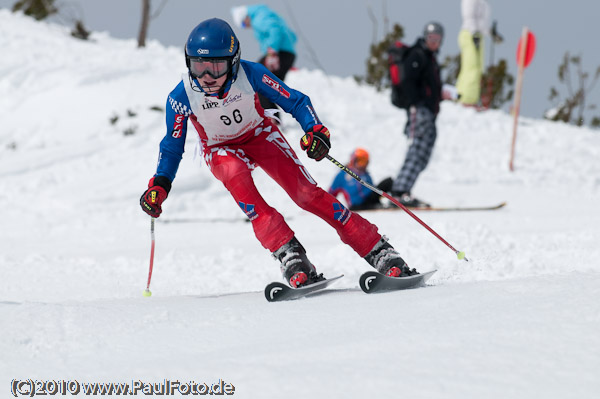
x=219, y=95
x=358, y=197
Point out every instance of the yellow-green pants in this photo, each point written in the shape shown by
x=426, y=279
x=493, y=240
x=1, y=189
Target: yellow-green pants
x=468, y=83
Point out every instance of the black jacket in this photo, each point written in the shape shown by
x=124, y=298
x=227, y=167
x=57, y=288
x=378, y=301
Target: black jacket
x=422, y=83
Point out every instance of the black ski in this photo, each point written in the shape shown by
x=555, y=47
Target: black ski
x=276, y=291
x=373, y=281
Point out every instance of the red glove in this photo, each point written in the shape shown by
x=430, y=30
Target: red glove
x=316, y=142
x=153, y=197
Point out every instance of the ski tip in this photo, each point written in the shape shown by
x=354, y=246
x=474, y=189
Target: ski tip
x=428, y=274
x=274, y=290
x=368, y=280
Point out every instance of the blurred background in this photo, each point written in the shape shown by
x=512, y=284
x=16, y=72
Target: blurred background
x=335, y=35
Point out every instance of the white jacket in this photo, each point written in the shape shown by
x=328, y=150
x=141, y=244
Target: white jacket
x=476, y=16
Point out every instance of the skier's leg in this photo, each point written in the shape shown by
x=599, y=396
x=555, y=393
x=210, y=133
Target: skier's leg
x=468, y=82
x=233, y=168
x=424, y=133
x=295, y=266
x=276, y=157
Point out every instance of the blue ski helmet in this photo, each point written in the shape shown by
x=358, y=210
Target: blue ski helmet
x=213, y=48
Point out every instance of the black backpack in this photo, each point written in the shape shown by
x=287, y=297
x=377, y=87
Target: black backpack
x=396, y=59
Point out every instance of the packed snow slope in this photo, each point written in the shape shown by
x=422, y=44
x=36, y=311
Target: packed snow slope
x=79, y=134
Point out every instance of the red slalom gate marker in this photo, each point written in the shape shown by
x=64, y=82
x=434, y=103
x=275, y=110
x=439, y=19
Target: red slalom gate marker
x=525, y=52
x=528, y=49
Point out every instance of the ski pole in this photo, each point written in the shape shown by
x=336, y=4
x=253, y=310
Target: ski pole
x=459, y=254
x=147, y=291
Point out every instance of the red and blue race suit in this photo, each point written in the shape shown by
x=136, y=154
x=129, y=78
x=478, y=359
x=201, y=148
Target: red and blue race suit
x=236, y=137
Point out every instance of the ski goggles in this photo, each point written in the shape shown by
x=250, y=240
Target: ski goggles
x=214, y=67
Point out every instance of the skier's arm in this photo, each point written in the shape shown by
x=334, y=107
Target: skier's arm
x=172, y=145
x=291, y=101
x=171, y=150
x=316, y=141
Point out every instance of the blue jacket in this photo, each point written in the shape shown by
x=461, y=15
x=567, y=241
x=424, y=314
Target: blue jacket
x=354, y=192
x=179, y=110
x=271, y=30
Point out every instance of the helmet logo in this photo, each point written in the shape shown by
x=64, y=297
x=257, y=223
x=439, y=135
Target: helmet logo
x=232, y=44
x=203, y=51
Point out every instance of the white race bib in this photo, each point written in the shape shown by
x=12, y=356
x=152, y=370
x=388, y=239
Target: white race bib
x=225, y=119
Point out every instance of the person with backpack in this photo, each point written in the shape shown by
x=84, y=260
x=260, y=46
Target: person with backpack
x=217, y=94
x=276, y=40
x=357, y=196
x=417, y=88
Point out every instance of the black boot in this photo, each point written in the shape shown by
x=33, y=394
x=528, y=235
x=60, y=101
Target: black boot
x=387, y=260
x=408, y=200
x=295, y=266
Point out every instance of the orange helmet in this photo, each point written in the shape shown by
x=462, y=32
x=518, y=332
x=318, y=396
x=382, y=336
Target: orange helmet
x=360, y=158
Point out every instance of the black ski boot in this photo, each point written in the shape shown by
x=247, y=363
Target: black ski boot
x=409, y=201
x=295, y=266
x=387, y=260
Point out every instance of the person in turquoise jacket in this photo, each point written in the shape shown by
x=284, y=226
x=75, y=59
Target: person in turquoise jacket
x=276, y=40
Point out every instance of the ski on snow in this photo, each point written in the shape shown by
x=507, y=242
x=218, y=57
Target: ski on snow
x=276, y=291
x=441, y=208
x=372, y=281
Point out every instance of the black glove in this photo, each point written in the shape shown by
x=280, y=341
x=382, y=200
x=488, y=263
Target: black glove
x=316, y=142
x=153, y=197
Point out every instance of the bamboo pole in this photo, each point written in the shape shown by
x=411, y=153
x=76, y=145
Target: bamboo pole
x=518, y=93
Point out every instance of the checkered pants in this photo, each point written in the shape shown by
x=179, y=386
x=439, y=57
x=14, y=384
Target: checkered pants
x=420, y=128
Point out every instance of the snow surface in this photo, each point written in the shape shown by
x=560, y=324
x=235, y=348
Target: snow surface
x=520, y=320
